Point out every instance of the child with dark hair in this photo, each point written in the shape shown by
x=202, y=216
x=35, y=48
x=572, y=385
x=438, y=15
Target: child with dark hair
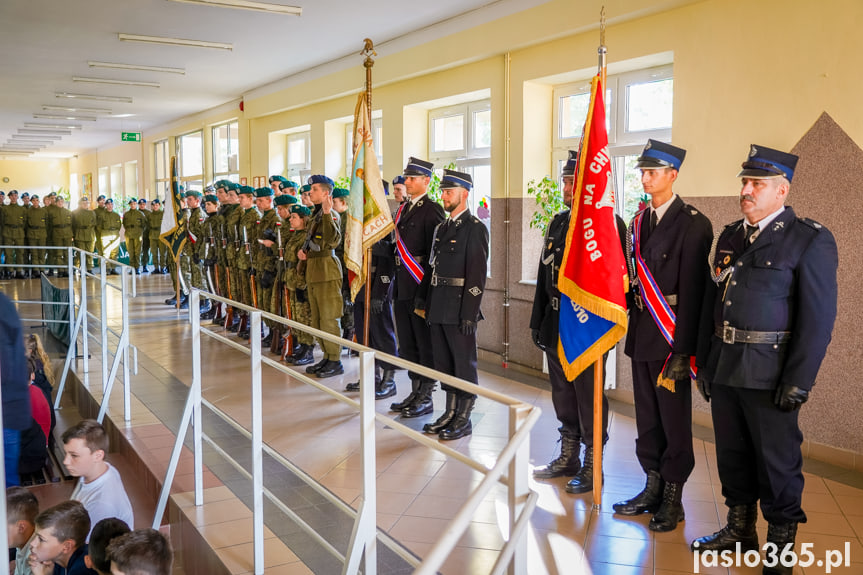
x=21, y=511
x=102, y=534
x=141, y=552
x=59, y=545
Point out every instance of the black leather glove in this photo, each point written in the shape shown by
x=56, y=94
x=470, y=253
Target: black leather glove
x=210, y=263
x=703, y=385
x=534, y=334
x=376, y=306
x=467, y=327
x=790, y=397
x=252, y=272
x=301, y=296
x=268, y=278
x=677, y=367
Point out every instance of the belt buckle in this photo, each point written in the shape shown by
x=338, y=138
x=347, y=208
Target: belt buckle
x=555, y=303
x=398, y=261
x=638, y=301
x=434, y=280
x=728, y=334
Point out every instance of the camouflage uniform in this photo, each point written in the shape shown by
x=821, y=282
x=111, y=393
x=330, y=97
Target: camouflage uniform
x=248, y=222
x=191, y=265
x=37, y=235
x=265, y=260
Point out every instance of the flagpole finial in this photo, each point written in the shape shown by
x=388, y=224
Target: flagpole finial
x=368, y=51
x=602, y=51
x=602, y=28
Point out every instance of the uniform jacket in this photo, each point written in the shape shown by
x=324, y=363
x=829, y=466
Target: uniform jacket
x=13, y=363
x=546, y=302
x=784, y=281
x=37, y=226
x=110, y=224
x=676, y=254
x=134, y=222
x=416, y=227
x=14, y=221
x=267, y=226
x=61, y=223
x=197, y=226
x=246, y=225
x=154, y=223
x=84, y=225
x=323, y=230
x=460, y=251
x=382, y=269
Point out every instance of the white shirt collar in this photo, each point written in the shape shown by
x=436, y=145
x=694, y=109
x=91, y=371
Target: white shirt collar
x=454, y=217
x=766, y=221
x=660, y=211
x=413, y=201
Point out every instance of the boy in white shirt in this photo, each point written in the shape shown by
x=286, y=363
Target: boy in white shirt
x=22, y=507
x=100, y=488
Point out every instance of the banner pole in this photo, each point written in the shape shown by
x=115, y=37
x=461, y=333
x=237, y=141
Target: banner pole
x=368, y=51
x=598, y=387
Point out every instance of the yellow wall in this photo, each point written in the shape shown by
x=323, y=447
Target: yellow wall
x=34, y=176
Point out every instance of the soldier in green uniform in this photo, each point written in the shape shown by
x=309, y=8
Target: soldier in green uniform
x=245, y=233
x=134, y=222
x=157, y=247
x=289, y=187
x=232, y=253
x=145, y=238
x=265, y=255
x=109, y=234
x=340, y=205
x=324, y=274
x=99, y=210
x=14, y=234
x=220, y=247
x=37, y=234
x=61, y=233
x=193, y=251
x=182, y=219
x=295, y=280
x=84, y=227
x=210, y=257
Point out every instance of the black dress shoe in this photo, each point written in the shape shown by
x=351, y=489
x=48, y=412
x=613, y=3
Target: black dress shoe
x=330, y=369
x=171, y=301
x=304, y=357
x=353, y=387
x=318, y=366
x=384, y=389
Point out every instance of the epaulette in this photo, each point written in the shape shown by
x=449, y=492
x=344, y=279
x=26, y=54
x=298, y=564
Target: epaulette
x=475, y=220
x=690, y=210
x=811, y=223
x=734, y=224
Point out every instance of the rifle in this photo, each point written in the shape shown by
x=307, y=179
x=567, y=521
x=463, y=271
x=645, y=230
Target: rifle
x=229, y=310
x=309, y=245
x=280, y=269
x=252, y=282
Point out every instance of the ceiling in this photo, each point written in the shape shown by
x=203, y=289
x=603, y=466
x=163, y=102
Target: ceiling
x=45, y=43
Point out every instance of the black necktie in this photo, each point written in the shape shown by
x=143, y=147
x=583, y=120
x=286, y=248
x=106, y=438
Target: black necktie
x=750, y=230
x=653, y=220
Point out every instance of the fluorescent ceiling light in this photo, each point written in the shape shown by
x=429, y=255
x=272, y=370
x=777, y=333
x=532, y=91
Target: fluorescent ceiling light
x=35, y=137
x=44, y=132
x=119, y=66
x=15, y=152
x=112, y=81
x=33, y=147
x=52, y=126
x=73, y=109
x=174, y=41
x=249, y=5
x=61, y=117
x=122, y=115
x=122, y=99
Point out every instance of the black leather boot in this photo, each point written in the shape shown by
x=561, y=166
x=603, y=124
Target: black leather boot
x=206, y=305
x=305, y=356
x=355, y=386
x=460, y=425
x=647, y=501
x=670, y=510
x=318, y=366
x=445, y=418
x=330, y=369
x=583, y=480
x=567, y=463
x=782, y=535
x=386, y=386
x=740, y=529
x=171, y=301
x=423, y=404
x=400, y=405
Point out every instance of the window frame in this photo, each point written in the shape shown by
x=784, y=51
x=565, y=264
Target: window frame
x=232, y=175
x=299, y=171
x=468, y=151
x=192, y=181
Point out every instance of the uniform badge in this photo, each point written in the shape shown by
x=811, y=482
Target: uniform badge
x=475, y=291
x=753, y=152
x=385, y=279
x=549, y=245
x=694, y=212
x=726, y=260
x=778, y=226
x=718, y=271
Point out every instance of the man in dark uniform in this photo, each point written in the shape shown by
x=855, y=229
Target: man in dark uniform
x=572, y=400
x=415, y=222
x=669, y=243
x=449, y=299
x=775, y=305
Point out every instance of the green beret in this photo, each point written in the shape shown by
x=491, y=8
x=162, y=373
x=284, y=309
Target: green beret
x=193, y=194
x=341, y=193
x=285, y=200
x=287, y=184
x=232, y=186
x=131, y=200
x=278, y=179
x=263, y=192
x=247, y=190
x=301, y=210
x=211, y=198
x=306, y=188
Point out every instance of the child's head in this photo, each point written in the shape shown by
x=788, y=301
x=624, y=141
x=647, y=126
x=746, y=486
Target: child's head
x=97, y=550
x=86, y=444
x=21, y=511
x=60, y=530
x=141, y=552
x=33, y=348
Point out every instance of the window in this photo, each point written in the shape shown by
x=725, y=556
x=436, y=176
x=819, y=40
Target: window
x=190, y=160
x=130, y=179
x=638, y=107
x=116, y=187
x=226, y=145
x=461, y=136
x=104, y=186
x=162, y=166
x=377, y=142
x=299, y=153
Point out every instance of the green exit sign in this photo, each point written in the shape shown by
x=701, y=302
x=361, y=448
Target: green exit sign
x=131, y=136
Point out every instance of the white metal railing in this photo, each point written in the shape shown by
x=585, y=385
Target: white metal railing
x=511, y=467
x=81, y=320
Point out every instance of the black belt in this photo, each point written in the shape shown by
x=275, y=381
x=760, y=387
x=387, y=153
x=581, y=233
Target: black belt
x=639, y=302
x=61, y=227
x=321, y=254
x=730, y=334
x=437, y=280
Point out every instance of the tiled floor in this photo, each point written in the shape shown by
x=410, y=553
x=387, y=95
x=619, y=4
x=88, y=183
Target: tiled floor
x=418, y=489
